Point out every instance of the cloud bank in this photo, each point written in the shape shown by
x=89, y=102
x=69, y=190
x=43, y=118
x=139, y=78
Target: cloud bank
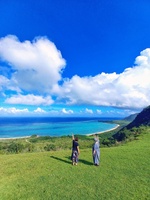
x=33, y=75
x=29, y=99
x=129, y=89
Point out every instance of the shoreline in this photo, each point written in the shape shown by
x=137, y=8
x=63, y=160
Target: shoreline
x=13, y=138
x=98, y=133
x=90, y=134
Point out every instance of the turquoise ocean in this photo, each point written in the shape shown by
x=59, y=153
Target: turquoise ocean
x=52, y=126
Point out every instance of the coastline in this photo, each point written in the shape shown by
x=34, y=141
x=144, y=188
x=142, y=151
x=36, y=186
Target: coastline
x=90, y=134
x=13, y=138
x=98, y=133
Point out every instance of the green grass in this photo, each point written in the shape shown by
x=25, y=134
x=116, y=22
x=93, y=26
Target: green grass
x=122, y=175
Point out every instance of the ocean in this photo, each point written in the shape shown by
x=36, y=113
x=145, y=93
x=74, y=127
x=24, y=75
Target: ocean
x=52, y=126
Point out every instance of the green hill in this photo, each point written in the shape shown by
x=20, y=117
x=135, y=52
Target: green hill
x=123, y=174
x=134, y=128
x=143, y=118
x=130, y=117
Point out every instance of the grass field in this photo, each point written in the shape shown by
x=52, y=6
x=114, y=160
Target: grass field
x=122, y=175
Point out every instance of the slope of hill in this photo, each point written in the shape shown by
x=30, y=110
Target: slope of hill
x=143, y=118
x=130, y=117
x=123, y=174
x=133, y=129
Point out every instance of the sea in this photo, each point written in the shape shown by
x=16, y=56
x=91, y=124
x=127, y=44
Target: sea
x=16, y=127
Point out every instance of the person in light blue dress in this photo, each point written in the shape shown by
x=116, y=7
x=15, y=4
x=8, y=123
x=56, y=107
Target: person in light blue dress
x=96, y=152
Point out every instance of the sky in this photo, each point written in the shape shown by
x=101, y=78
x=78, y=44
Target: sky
x=70, y=58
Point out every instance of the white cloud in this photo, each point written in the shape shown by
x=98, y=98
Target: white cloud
x=13, y=111
x=39, y=110
x=29, y=99
x=130, y=89
x=37, y=65
x=3, y=82
x=144, y=58
x=36, y=68
x=89, y=111
x=6, y=84
x=64, y=111
x=99, y=111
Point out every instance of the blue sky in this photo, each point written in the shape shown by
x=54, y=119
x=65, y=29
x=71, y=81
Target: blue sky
x=74, y=58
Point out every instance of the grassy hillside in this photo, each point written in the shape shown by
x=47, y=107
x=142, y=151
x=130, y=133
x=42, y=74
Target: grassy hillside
x=123, y=174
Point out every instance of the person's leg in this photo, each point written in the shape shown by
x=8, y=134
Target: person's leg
x=97, y=159
x=73, y=158
x=94, y=159
x=76, y=160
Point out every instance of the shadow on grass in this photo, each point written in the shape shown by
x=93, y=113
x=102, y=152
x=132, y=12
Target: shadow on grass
x=60, y=159
x=85, y=162
x=69, y=162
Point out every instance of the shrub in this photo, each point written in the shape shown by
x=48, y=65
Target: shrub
x=15, y=147
x=33, y=136
x=106, y=142
x=29, y=147
x=50, y=147
x=33, y=140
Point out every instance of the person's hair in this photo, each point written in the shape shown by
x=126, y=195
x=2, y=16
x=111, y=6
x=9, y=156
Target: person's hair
x=76, y=139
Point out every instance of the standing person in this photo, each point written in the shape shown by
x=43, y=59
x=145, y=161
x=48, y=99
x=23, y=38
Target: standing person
x=96, y=151
x=75, y=150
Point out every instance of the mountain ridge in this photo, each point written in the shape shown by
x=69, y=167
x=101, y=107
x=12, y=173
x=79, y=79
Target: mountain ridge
x=143, y=118
x=133, y=128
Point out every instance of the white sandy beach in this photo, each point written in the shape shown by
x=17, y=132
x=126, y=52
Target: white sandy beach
x=13, y=138
x=104, y=131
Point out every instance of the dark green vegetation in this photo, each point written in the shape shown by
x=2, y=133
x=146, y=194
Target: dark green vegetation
x=135, y=128
x=123, y=174
x=143, y=118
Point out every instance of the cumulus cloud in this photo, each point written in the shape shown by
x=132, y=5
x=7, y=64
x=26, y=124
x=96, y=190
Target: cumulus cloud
x=64, y=111
x=6, y=84
x=35, y=71
x=89, y=111
x=129, y=89
x=3, y=82
x=29, y=99
x=35, y=66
